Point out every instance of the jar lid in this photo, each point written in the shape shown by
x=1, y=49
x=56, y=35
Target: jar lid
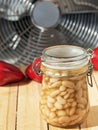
x=65, y=57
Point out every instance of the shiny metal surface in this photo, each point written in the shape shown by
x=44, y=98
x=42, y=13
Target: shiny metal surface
x=21, y=41
x=80, y=29
x=78, y=6
x=45, y=15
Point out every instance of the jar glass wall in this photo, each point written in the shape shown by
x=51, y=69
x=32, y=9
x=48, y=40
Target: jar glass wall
x=64, y=96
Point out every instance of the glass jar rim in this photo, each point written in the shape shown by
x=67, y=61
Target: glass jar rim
x=65, y=57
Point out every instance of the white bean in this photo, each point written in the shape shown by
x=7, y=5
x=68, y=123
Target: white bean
x=74, y=117
x=50, y=105
x=50, y=99
x=72, y=111
x=52, y=80
x=67, y=105
x=61, y=100
x=79, y=93
x=64, y=119
x=61, y=112
x=62, y=88
x=81, y=106
x=68, y=84
x=66, y=96
x=82, y=101
x=74, y=103
x=70, y=90
x=70, y=100
x=54, y=93
x=79, y=85
x=55, y=84
x=52, y=115
x=46, y=111
x=63, y=93
x=58, y=105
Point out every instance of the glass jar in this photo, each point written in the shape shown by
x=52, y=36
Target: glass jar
x=64, y=96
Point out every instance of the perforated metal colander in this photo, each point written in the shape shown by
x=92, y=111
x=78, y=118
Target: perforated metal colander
x=28, y=26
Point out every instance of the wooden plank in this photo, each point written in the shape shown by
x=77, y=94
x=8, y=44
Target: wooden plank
x=92, y=121
x=8, y=95
x=95, y=76
x=28, y=115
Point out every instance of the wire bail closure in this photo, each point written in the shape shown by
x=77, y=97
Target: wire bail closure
x=90, y=69
x=36, y=68
x=89, y=75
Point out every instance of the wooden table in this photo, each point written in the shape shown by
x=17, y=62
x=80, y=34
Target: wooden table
x=19, y=107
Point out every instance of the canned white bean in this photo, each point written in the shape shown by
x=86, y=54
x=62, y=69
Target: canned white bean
x=64, y=99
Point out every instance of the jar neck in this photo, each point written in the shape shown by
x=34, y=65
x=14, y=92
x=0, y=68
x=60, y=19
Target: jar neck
x=65, y=57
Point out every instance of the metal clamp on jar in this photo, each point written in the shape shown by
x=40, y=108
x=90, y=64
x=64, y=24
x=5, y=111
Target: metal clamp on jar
x=64, y=96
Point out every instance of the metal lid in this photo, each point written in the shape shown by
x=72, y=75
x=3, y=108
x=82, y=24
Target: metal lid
x=45, y=14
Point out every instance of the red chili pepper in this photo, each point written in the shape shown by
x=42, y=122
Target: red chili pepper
x=9, y=73
x=95, y=58
x=31, y=72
